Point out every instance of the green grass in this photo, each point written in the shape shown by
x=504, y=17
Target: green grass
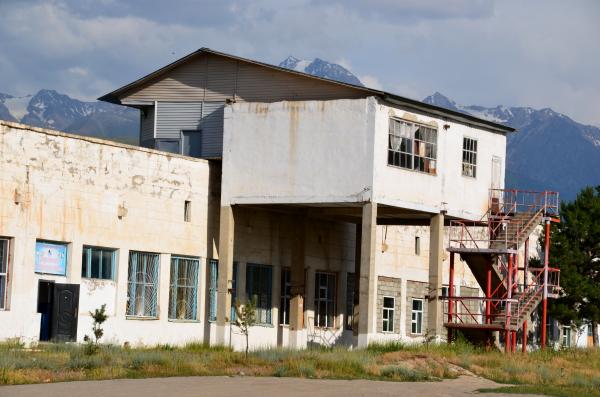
x=564, y=373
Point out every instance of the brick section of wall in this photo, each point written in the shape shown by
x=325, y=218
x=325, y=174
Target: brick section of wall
x=388, y=287
x=472, y=306
x=418, y=290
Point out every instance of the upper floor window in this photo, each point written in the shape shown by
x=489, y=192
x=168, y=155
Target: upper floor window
x=412, y=146
x=469, y=157
x=98, y=263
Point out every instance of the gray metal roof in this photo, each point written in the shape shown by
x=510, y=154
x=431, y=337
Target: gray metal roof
x=114, y=96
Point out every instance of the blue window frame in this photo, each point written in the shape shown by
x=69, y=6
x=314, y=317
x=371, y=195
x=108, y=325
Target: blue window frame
x=259, y=283
x=142, y=288
x=98, y=263
x=183, y=294
x=213, y=276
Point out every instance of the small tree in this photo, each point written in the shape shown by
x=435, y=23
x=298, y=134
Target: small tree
x=245, y=318
x=99, y=316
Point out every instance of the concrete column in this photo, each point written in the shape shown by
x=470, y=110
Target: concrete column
x=224, y=284
x=297, y=329
x=435, y=323
x=367, y=289
x=355, y=313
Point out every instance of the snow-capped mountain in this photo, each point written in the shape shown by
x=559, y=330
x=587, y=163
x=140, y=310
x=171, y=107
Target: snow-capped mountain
x=549, y=151
x=321, y=68
x=51, y=109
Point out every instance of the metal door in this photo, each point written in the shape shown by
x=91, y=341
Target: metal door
x=65, y=309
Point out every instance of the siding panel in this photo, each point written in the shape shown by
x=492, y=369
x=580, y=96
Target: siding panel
x=147, y=124
x=214, y=78
x=176, y=116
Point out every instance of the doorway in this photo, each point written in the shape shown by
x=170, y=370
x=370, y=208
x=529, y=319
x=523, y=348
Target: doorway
x=59, y=307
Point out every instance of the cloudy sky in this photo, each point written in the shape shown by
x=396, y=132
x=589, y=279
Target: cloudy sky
x=542, y=53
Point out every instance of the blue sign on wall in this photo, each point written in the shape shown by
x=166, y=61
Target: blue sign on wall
x=51, y=258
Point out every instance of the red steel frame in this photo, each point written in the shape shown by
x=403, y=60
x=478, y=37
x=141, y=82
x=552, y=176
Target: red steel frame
x=504, y=204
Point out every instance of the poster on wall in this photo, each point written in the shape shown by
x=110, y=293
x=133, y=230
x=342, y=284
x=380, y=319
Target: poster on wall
x=51, y=258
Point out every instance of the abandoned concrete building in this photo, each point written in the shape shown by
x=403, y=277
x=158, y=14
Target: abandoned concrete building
x=350, y=215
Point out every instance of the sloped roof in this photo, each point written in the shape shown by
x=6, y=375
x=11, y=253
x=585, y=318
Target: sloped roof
x=114, y=96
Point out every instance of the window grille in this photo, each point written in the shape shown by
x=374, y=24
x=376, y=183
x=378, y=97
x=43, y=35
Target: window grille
x=142, y=291
x=98, y=263
x=3, y=273
x=286, y=296
x=388, y=313
x=412, y=146
x=417, y=316
x=469, y=157
x=325, y=299
x=183, y=294
x=213, y=275
x=258, y=287
x=350, y=292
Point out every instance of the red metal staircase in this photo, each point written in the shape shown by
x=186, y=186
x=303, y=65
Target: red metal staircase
x=491, y=248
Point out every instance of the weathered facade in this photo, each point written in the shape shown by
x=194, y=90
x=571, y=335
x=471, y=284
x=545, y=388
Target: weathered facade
x=326, y=203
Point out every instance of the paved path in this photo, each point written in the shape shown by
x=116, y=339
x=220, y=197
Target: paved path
x=213, y=386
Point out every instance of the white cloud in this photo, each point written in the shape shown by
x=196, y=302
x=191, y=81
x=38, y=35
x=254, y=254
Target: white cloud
x=371, y=81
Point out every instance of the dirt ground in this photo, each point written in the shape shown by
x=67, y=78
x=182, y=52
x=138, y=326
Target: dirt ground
x=248, y=386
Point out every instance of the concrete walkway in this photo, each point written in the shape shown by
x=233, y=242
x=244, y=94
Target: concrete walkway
x=212, y=386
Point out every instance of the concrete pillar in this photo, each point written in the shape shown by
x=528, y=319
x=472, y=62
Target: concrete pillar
x=224, y=283
x=355, y=313
x=297, y=334
x=435, y=323
x=368, y=281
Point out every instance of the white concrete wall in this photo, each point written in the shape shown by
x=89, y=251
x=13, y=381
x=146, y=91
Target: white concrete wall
x=465, y=197
x=70, y=190
x=298, y=152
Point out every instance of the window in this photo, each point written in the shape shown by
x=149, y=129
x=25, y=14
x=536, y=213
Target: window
x=183, y=293
x=469, y=158
x=325, y=300
x=258, y=287
x=213, y=276
x=3, y=273
x=168, y=145
x=187, y=211
x=412, y=146
x=98, y=263
x=417, y=245
x=350, y=291
x=286, y=296
x=142, y=288
x=417, y=317
x=566, y=337
x=388, y=313
x=233, y=314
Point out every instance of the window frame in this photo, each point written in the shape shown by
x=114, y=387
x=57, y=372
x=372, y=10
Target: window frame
x=566, y=336
x=264, y=301
x=286, y=296
x=174, y=287
x=329, y=322
x=418, y=321
x=388, y=310
x=4, y=275
x=408, y=148
x=88, y=265
x=213, y=285
x=131, y=309
x=469, y=157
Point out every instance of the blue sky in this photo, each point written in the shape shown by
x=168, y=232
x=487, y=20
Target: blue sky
x=539, y=53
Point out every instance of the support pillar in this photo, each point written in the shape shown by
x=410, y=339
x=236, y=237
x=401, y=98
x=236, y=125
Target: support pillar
x=514, y=341
x=297, y=334
x=368, y=282
x=524, y=339
x=435, y=326
x=356, y=305
x=545, y=298
x=488, y=295
x=509, y=288
x=224, y=283
x=450, y=296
